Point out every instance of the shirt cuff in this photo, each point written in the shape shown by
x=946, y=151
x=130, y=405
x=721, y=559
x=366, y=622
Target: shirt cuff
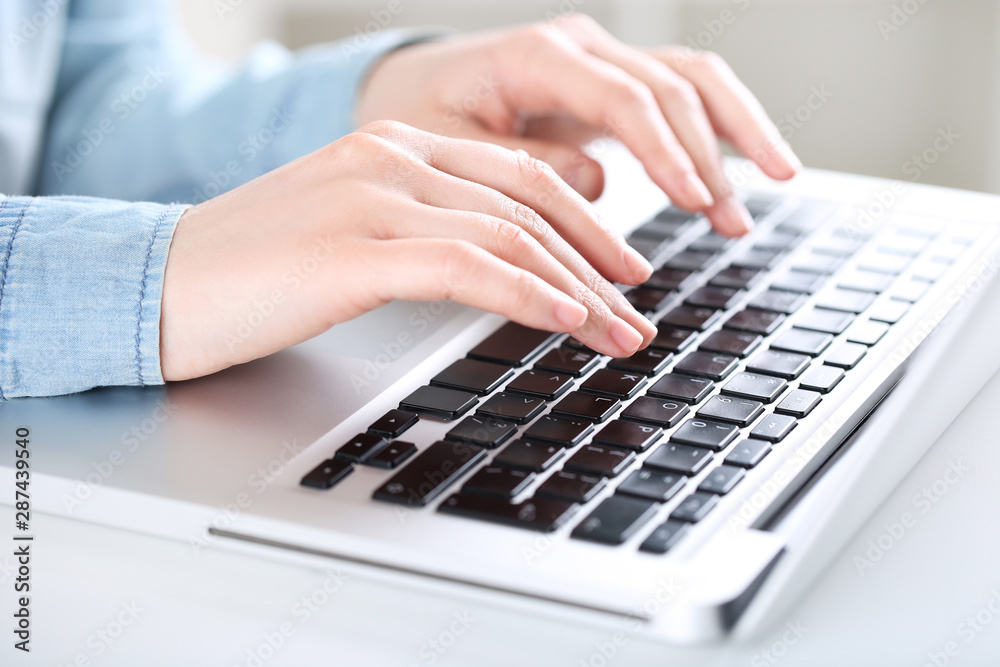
x=81, y=283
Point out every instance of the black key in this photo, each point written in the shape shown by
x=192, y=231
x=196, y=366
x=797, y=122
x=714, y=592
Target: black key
x=648, y=362
x=740, y=411
x=578, y=404
x=543, y=384
x=763, y=388
x=560, y=430
x=758, y=207
x=838, y=246
x=649, y=248
x=695, y=507
x=788, y=365
x=630, y=435
x=748, y=453
x=669, y=280
x=393, y=455
x=615, y=520
x=438, y=401
x=827, y=321
x=798, y=403
x=710, y=242
x=662, y=412
x=822, y=379
x=807, y=217
x=690, y=260
x=393, y=423
x=785, y=303
x=773, y=428
x=542, y=514
x=511, y=407
x=847, y=301
x=889, y=312
x=498, y=481
x=672, y=339
x=691, y=317
x=577, y=345
x=737, y=278
x=479, y=377
x=679, y=458
x=533, y=456
x=822, y=264
x=802, y=341
x=647, y=300
x=757, y=259
x=482, y=430
x=711, y=365
x=665, y=537
x=722, y=480
x=755, y=321
x=430, y=473
x=846, y=355
x=568, y=361
x=882, y=262
x=610, y=382
x=327, y=473
x=705, y=433
x=865, y=281
x=720, y=298
x=571, y=486
x=681, y=387
x=678, y=217
x=512, y=344
x=662, y=229
x=652, y=485
x=737, y=343
x=360, y=448
x=600, y=460
x=799, y=281
x=867, y=333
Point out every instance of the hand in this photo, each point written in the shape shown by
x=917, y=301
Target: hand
x=666, y=105
x=391, y=212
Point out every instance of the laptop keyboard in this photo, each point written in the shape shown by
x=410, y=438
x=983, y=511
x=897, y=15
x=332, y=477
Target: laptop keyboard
x=546, y=432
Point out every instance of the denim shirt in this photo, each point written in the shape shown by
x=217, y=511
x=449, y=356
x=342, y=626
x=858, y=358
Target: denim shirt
x=101, y=106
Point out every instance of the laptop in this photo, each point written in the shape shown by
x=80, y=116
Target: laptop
x=687, y=494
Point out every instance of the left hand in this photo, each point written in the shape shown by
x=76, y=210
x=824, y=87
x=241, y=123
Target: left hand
x=668, y=106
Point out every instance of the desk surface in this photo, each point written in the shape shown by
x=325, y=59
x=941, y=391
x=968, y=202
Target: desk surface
x=107, y=597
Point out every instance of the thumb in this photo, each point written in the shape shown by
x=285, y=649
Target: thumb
x=580, y=171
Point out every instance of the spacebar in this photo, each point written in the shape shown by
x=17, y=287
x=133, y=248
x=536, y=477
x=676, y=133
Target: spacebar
x=430, y=473
x=543, y=514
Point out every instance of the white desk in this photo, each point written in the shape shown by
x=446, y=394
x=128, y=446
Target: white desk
x=212, y=608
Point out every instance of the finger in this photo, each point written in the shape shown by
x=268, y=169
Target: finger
x=736, y=113
x=554, y=74
x=603, y=330
x=450, y=269
x=681, y=105
x=579, y=170
x=524, y=180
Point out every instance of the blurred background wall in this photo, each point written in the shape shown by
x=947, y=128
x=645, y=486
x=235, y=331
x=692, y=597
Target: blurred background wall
x=856, y=85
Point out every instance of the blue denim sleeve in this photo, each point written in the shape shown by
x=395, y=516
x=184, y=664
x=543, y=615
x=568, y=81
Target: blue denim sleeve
x=139, y=116
x=81, y=282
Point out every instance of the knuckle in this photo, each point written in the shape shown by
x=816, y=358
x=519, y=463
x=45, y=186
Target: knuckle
x=387, y=129
x=710, y=61
x=629, y=93
x=537, y=175
x=581, y=22
x=457, y=266
x=683, y=93
x=511, y=240
x=523, y=291
x=539, y=35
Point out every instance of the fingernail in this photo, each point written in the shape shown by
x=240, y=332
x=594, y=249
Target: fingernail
x=696, y=190
x=637, y=265
x=570, y=314
x=625, y=336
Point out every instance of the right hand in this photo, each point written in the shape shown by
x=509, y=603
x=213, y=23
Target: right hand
x=391, y=212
